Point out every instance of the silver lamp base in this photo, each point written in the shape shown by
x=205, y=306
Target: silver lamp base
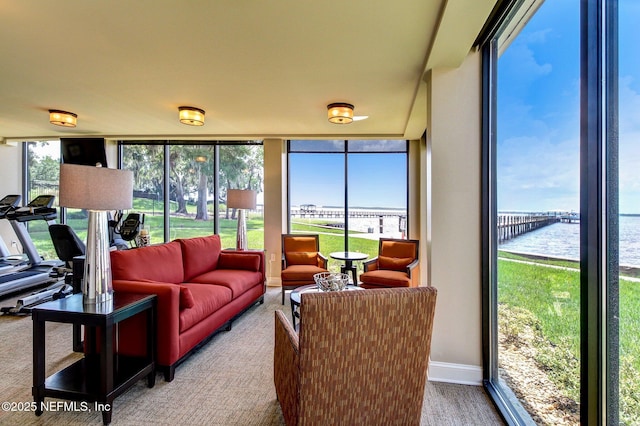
x=241, y=235
x=96, y=283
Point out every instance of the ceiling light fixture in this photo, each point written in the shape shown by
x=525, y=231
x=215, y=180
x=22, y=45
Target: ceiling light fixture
x=62, y=118
x=191, y=115
x=340, y=113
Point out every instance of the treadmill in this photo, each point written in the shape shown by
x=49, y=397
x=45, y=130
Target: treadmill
x=10, y=263
x=36, y=272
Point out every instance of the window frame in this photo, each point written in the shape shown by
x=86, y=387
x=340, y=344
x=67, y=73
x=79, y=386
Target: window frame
x=167, y=171
x=345, y=152
x=598, y=213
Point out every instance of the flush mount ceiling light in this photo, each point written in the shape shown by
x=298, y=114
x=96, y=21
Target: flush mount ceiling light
x=62, y=118
x=340, y=113
x=191, y=115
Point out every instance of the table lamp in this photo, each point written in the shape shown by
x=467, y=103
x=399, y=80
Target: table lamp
x=98, y=190
x=241, y=199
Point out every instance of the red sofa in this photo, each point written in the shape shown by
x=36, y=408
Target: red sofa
x=200, y=290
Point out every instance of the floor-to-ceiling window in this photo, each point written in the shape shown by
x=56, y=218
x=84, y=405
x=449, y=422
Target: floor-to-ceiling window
x=629, y=208
x=537, y=177
x=181, y=187
x=351, y=193
x=554, y=353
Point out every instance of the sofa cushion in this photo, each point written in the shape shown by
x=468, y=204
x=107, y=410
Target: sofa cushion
x=301, y=273
x=302, y=258
x=237, y=280
x=208, y=299
x=200, y=255
x=394, y=263
x=246, y=261
x=161, y=262
x=386, y=278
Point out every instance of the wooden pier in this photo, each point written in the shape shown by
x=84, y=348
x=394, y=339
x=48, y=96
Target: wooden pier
x=311, y=211
x=512, y=225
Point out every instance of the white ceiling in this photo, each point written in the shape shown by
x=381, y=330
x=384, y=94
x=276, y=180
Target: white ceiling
x=258, y=68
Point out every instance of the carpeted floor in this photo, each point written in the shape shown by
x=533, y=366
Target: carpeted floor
x=228, y=382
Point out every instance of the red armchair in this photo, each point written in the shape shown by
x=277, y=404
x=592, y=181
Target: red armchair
x=301, y=260
x=397, y=265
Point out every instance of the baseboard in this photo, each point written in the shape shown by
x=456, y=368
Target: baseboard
x=455, y=373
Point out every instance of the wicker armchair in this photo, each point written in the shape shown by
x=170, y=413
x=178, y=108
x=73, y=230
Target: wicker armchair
x=361, y=357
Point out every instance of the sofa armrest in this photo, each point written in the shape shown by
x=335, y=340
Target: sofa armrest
x=167, y=314
x=286, y=367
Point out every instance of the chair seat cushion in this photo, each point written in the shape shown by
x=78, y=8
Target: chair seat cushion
x=386, y=278
x=301, y=273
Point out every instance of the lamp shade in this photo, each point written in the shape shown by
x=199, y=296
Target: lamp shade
x=241, y=199
x=340, y=113
x=95, y=188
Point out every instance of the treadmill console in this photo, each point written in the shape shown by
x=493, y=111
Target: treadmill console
x=8, y=203
x=39, y=208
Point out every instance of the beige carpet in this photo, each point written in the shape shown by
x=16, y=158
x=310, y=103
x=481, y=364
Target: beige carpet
x=228, y=382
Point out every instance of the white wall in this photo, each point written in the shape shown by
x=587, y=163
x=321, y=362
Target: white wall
x=454, y=141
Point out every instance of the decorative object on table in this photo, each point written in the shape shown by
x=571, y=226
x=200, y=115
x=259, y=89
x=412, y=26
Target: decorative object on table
x=98, y=190
x=241, y=199
x=143, y=238
x=330, y=281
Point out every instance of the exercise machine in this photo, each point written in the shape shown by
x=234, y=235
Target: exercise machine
x=35, y=272
x=10, y=263
x=127, y=230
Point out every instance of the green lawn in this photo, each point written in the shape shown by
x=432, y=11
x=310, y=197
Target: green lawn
x=547, y=301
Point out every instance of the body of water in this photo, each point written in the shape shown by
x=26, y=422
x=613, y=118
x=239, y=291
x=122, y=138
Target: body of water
x=563, y=240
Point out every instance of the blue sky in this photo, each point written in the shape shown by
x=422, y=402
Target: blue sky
x=375, y=180
x=538, y=112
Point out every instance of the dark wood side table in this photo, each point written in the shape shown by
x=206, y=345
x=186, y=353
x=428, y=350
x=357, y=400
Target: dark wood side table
x=102, y=374
x=349, y=257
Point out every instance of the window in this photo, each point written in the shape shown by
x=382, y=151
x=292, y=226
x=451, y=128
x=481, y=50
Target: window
x=181, y=187
x=629, y=208
x=553, y=295
x=351, y=193
x=42, y=165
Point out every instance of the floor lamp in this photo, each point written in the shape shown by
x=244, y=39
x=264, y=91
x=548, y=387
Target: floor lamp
x=241, y=199
x=98, y=190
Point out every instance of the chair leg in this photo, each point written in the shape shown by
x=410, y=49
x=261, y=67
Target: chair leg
x=283, y=295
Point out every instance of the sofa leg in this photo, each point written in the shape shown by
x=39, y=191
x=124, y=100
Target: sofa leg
x=283, y=295
x=228, y=327
x=169, y=373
